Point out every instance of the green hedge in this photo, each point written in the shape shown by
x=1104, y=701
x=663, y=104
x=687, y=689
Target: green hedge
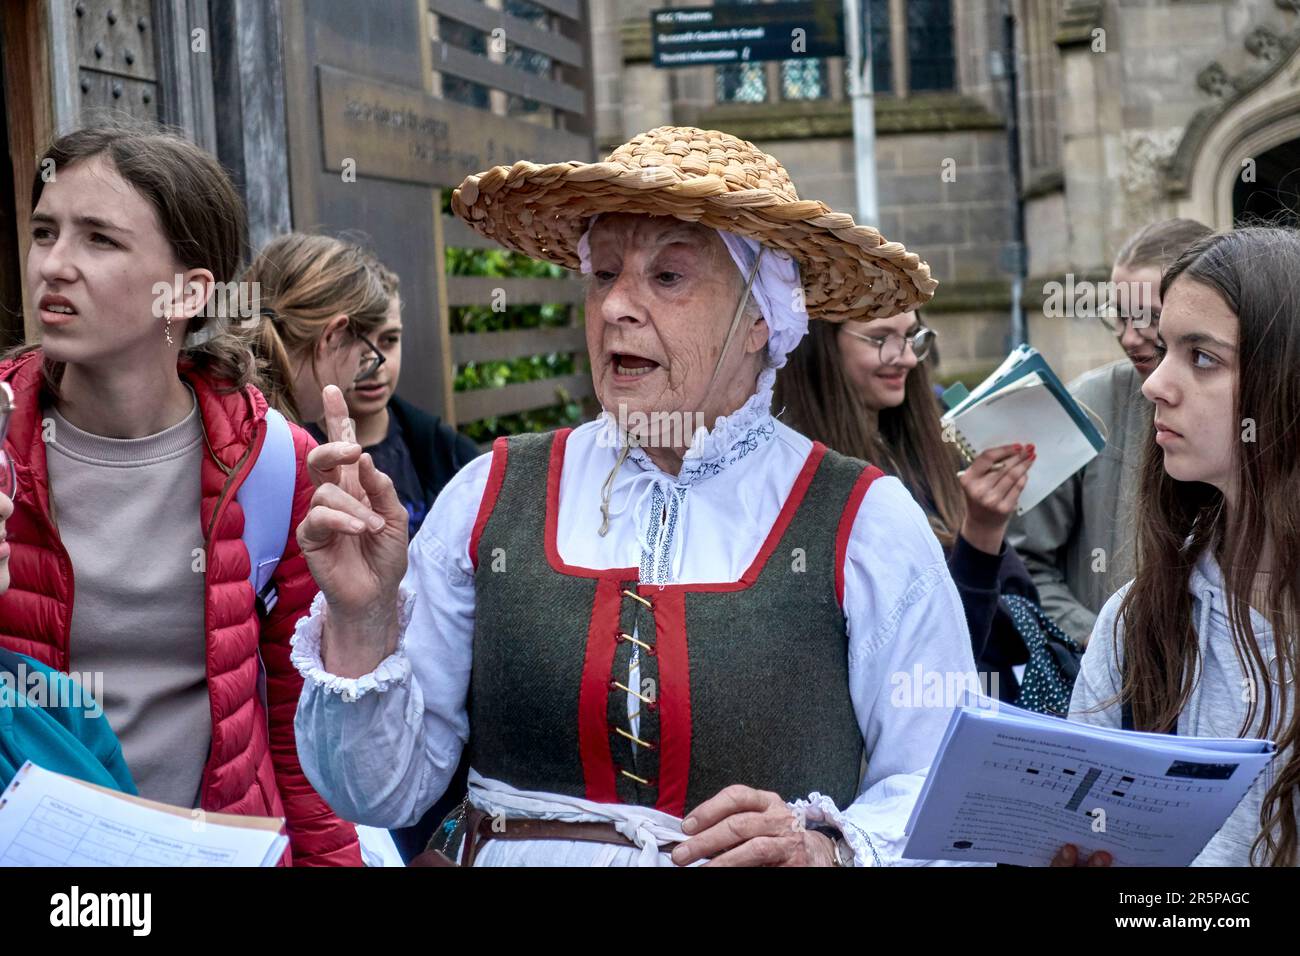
x=476, y=319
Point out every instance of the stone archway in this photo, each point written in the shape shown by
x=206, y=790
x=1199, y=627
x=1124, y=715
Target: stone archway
x=1228, y=139
x=1270, y=190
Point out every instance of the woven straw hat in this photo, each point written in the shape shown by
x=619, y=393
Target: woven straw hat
x=849, y=271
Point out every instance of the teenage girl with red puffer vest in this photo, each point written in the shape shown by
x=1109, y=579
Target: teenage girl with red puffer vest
x=126, y=538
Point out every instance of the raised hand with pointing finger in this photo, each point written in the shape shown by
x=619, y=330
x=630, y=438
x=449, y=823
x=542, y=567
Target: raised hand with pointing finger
x=354, y=539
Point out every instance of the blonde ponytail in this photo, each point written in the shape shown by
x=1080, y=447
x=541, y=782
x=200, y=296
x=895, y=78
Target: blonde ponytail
x=274, y=367
x=304, y=281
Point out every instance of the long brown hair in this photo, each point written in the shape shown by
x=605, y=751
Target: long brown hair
x=815, y=397
x=199, y=210
x=1254, y=270
x=304, y=281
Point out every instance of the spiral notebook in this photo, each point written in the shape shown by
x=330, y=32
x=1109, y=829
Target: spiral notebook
x=1024, y=402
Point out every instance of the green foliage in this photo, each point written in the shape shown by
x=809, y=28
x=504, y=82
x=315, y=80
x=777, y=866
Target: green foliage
x=500, y=263
x=537, y=420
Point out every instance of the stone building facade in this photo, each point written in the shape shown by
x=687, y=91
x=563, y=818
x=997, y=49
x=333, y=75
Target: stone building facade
x=1163, y=108
x=1126, y=111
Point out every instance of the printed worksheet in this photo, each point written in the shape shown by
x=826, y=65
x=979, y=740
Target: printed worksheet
x=1011, y=786
x=48, y=819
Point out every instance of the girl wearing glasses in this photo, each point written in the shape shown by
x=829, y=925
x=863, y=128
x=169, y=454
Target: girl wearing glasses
x=322, y=301
x=135, y=425
x=1090, y=516
x=414, y=448
x=863, y=388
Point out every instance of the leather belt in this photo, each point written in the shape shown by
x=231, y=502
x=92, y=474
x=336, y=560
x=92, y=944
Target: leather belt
x=479, y=830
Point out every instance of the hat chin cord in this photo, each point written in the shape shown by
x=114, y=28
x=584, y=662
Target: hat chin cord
x=735, y=324
x=607, y=489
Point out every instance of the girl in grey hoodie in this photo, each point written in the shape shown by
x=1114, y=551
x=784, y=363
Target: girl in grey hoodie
x=1204, y=642
x=1216, y=707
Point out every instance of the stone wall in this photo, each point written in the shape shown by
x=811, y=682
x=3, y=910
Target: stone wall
x=1120, y=114
x=1123, y=112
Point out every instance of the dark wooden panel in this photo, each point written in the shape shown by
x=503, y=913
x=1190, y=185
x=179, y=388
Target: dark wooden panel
x=185, y=76
x=250, y=121
x=106, y=93
x=499, y=346
x=386, y=39
x=472, y=66
x=402, y=140
x=116, y=36
x=29, y=118
x=481, y=290
x=493, y=402
x=385, y=36
x=393, y=132
x=517, y=31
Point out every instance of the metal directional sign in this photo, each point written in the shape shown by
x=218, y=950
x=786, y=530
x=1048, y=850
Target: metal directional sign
x=747, y=33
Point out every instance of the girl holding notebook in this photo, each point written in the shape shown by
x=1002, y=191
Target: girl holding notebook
x=1090, y=515
x=863, y=388
x=1203, y=641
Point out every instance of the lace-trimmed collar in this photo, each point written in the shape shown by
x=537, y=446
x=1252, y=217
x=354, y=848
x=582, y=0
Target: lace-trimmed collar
x=732, y=438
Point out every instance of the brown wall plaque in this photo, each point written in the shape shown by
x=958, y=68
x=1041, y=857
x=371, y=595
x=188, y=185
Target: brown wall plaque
x=394, y=132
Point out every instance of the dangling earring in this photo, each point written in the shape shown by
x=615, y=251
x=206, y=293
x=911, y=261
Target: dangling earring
x=167, y=325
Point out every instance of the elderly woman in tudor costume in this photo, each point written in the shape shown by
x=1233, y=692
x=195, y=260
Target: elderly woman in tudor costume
x=661, y=645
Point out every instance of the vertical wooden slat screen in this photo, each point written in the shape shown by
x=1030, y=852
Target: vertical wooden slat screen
x=564, y=95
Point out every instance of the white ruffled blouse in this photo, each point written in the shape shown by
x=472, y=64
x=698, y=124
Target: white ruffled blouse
x=381, y=748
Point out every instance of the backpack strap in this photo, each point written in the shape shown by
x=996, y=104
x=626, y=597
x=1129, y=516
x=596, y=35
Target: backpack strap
x=266, y=497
